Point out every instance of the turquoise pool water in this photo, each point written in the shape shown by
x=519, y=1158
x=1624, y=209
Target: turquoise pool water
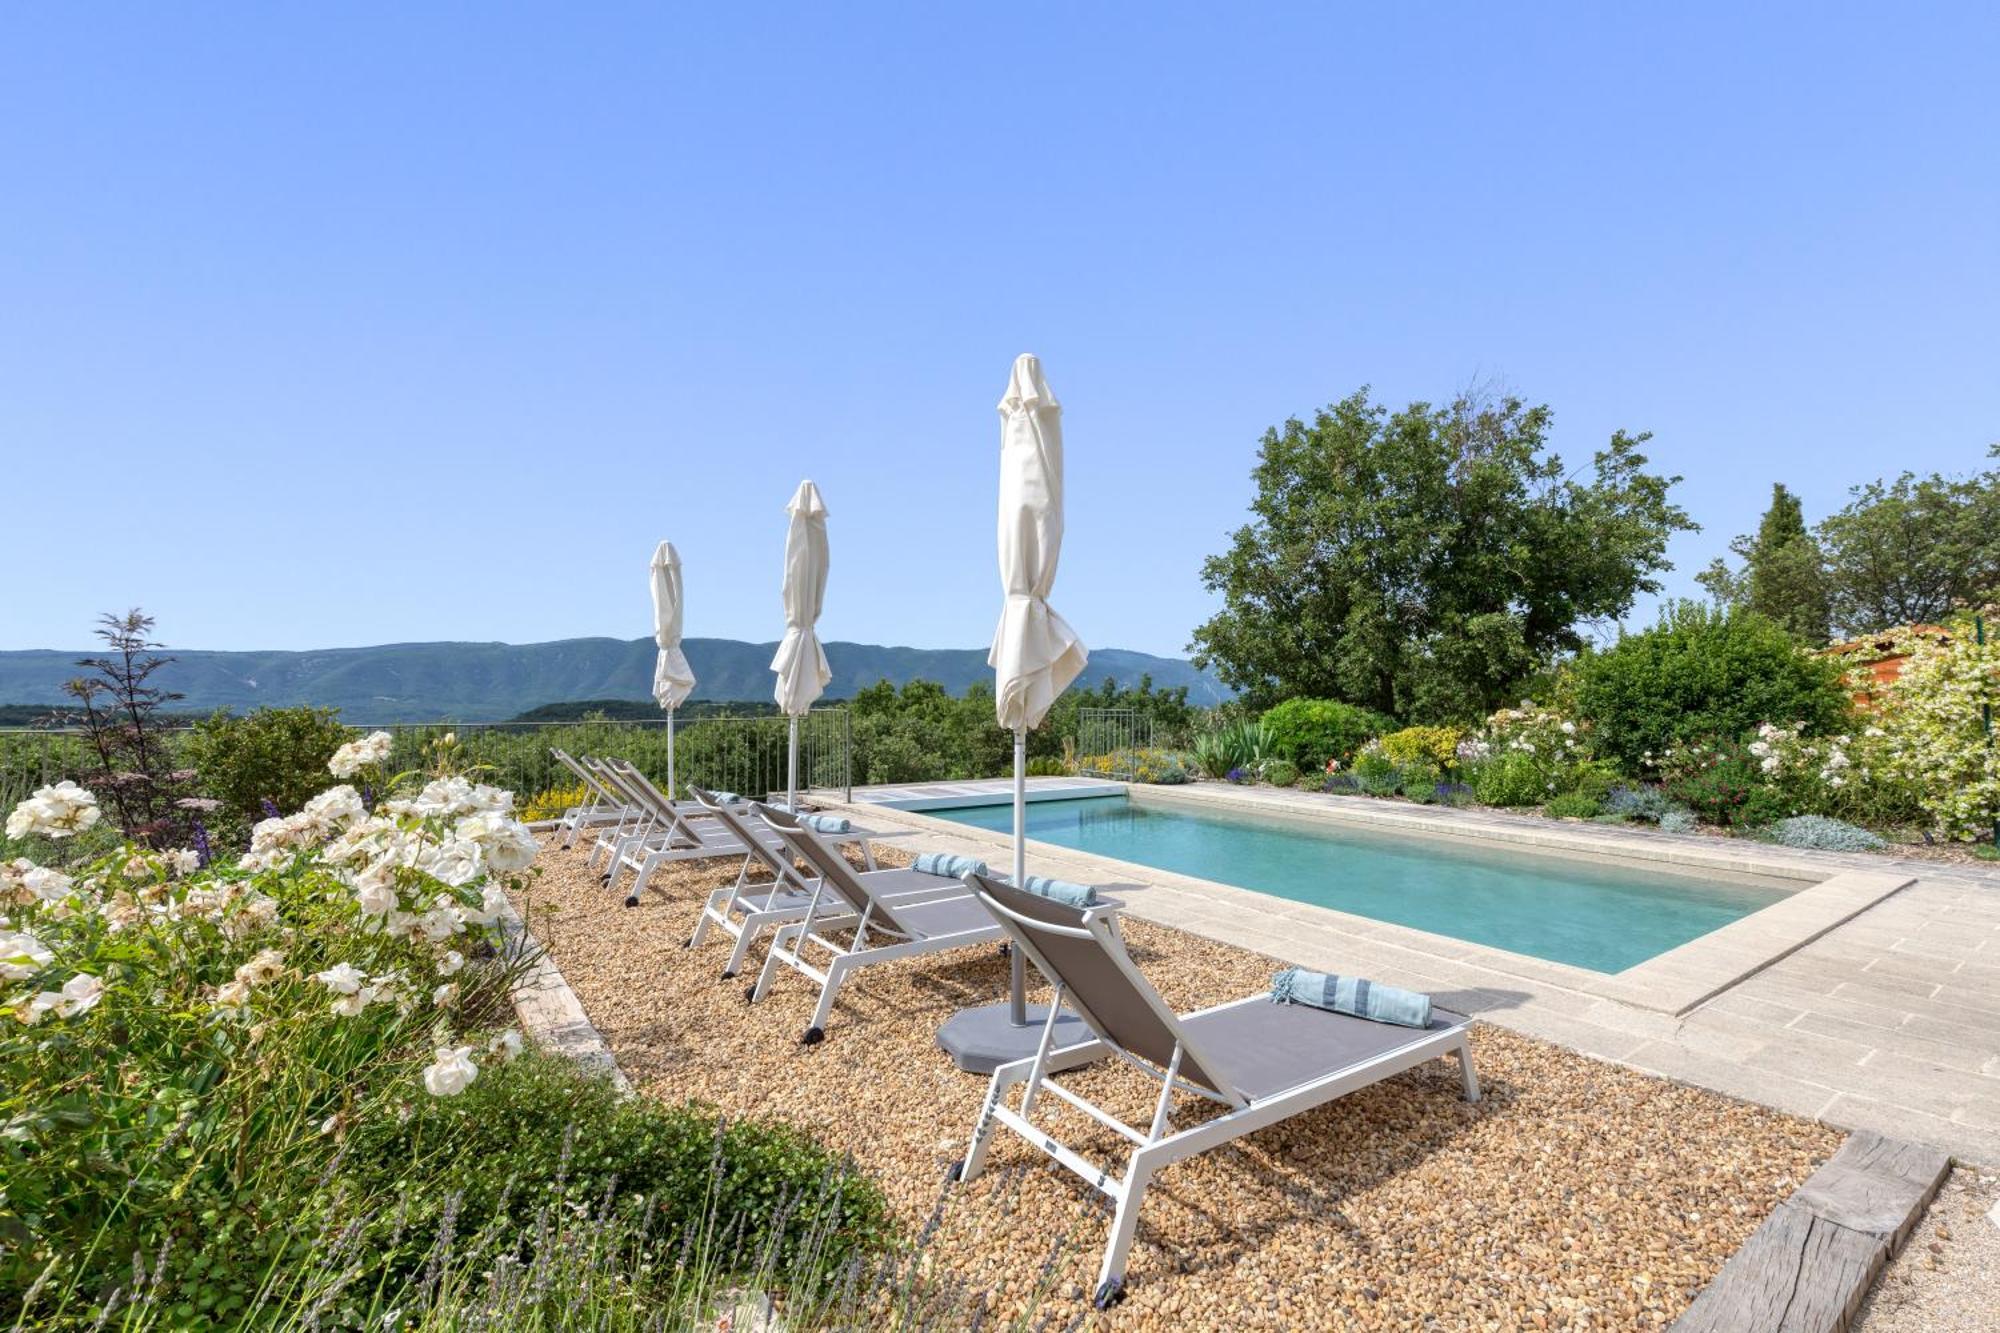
x=1602, y=916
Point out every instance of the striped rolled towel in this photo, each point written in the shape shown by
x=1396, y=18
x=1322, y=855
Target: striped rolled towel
x=1352, y=995
x=1061, y=891
x=725, y=797
x=827, y=823
x=948, y=864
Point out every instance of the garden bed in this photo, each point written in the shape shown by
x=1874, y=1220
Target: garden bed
x=1576, y=1195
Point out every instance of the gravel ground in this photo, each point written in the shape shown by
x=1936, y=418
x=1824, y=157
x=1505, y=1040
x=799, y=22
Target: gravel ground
x=1947, y=1279
x=1576, y=1195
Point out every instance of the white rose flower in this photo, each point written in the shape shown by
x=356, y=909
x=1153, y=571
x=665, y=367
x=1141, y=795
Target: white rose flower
x=354, y=756
x=451, y=1073
x=184, y=862
x=57, y=811
x=345, y=979
x=452, y=961
x=46, y=884
x=492, y=902
x=338, y=805
x=507, y=1044
x=347, y=1006
x=264, y=966
x=80, y=995
x=443, y=995
x=22, y=956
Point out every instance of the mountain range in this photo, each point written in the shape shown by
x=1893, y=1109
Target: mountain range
x=485, y=682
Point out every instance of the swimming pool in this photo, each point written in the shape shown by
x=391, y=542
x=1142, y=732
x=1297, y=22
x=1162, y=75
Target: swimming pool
x=1566, y=909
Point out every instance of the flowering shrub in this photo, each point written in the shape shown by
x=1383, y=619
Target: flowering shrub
x=1279, y=772
x=1929, y=734
x=1309, y=732
x=340, y=967
x=1162, y=767
x=554, y=802
x=1437, y=746
x=1722, y=782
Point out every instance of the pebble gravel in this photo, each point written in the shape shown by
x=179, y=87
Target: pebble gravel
x=1576, y=1195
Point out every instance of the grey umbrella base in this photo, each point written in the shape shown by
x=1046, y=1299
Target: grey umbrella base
x=981, y=1040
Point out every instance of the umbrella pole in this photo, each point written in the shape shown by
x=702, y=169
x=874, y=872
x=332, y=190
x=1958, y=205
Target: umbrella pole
x=792, y=769
x=1017, y=972
x=670, y=754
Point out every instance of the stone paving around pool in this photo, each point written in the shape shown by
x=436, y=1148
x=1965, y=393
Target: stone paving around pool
x=1889, y=1020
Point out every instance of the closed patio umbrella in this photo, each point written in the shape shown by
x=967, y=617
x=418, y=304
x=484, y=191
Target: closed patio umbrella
x=801, y=662
x=673, y=678
x=1035, y=656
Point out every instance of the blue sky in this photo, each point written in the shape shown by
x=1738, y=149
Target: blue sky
x=352, y=324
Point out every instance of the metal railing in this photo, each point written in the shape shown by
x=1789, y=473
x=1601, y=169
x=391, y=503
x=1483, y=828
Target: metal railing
x=1113, y=732
x=744, y=754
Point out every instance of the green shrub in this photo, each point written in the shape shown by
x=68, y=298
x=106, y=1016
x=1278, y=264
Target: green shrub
x=1047, y=766
x=1280, y=772
x=468, y=1154
x=1572, y=805
x=1375, y=773
x=1647, y=805
x=1238, y=745
x=1311, y=731
x=1702, y=672
x=1437, y=746
x=272, y=754
x=1818, y=833
x=1511, y=778
x=1418, y=779
x=1722, y=783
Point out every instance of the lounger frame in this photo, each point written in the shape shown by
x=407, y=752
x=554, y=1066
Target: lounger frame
x=841, y=901
x=1159, y=1145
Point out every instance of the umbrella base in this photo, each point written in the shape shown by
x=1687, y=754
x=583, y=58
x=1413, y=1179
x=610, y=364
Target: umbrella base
x=981, y=1040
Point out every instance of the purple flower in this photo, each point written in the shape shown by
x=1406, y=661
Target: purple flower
x=270, y=807
x=203, y=854
x=1233, y=775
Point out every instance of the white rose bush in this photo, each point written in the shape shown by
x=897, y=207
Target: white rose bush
x=170, y=1031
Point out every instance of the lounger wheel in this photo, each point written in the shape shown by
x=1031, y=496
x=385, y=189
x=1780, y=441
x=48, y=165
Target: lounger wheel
x=1109, y=1293
x=727, y=974
x=632, y=901
x=813, y=1037
x=957, y=1171
x=750, y=991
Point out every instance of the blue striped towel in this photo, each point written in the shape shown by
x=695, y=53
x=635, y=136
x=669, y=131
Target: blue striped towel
x=947, y=864
x=725, y=797
x=1061, y=891
x=1352, y=995
x=827, y=823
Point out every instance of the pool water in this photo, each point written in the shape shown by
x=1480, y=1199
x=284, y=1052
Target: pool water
x=1587, y=913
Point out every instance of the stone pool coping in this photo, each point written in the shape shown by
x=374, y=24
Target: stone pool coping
x=1672, y=983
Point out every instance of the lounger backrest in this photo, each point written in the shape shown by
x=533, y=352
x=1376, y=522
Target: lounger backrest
x=643, y=794
x=743, y=833
x=829, y=865
x=1077, y=949
x=591, y=777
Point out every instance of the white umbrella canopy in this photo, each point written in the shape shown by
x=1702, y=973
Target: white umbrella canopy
x=673, y=678
x=1035, y=653
x=801, y=663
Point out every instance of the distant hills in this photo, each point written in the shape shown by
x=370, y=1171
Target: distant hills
x=487, y=682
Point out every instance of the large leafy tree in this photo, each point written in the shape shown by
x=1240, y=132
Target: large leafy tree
x=1783, y=577
x=1424, y=562
x=1906, y=551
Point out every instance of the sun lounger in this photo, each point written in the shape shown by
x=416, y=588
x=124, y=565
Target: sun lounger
x=604, y=806
x=747, y=908
x=1265, y=1062
x=894, y=914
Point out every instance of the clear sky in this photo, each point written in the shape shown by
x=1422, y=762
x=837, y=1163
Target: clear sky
x=341, y=324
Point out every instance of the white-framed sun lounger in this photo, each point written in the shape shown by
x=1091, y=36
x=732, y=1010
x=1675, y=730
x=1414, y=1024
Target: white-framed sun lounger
x=910, y=927
x=747, y=908
x=605, y=806
x=1265, y=1062
x=677, y=836
x=668, y=838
